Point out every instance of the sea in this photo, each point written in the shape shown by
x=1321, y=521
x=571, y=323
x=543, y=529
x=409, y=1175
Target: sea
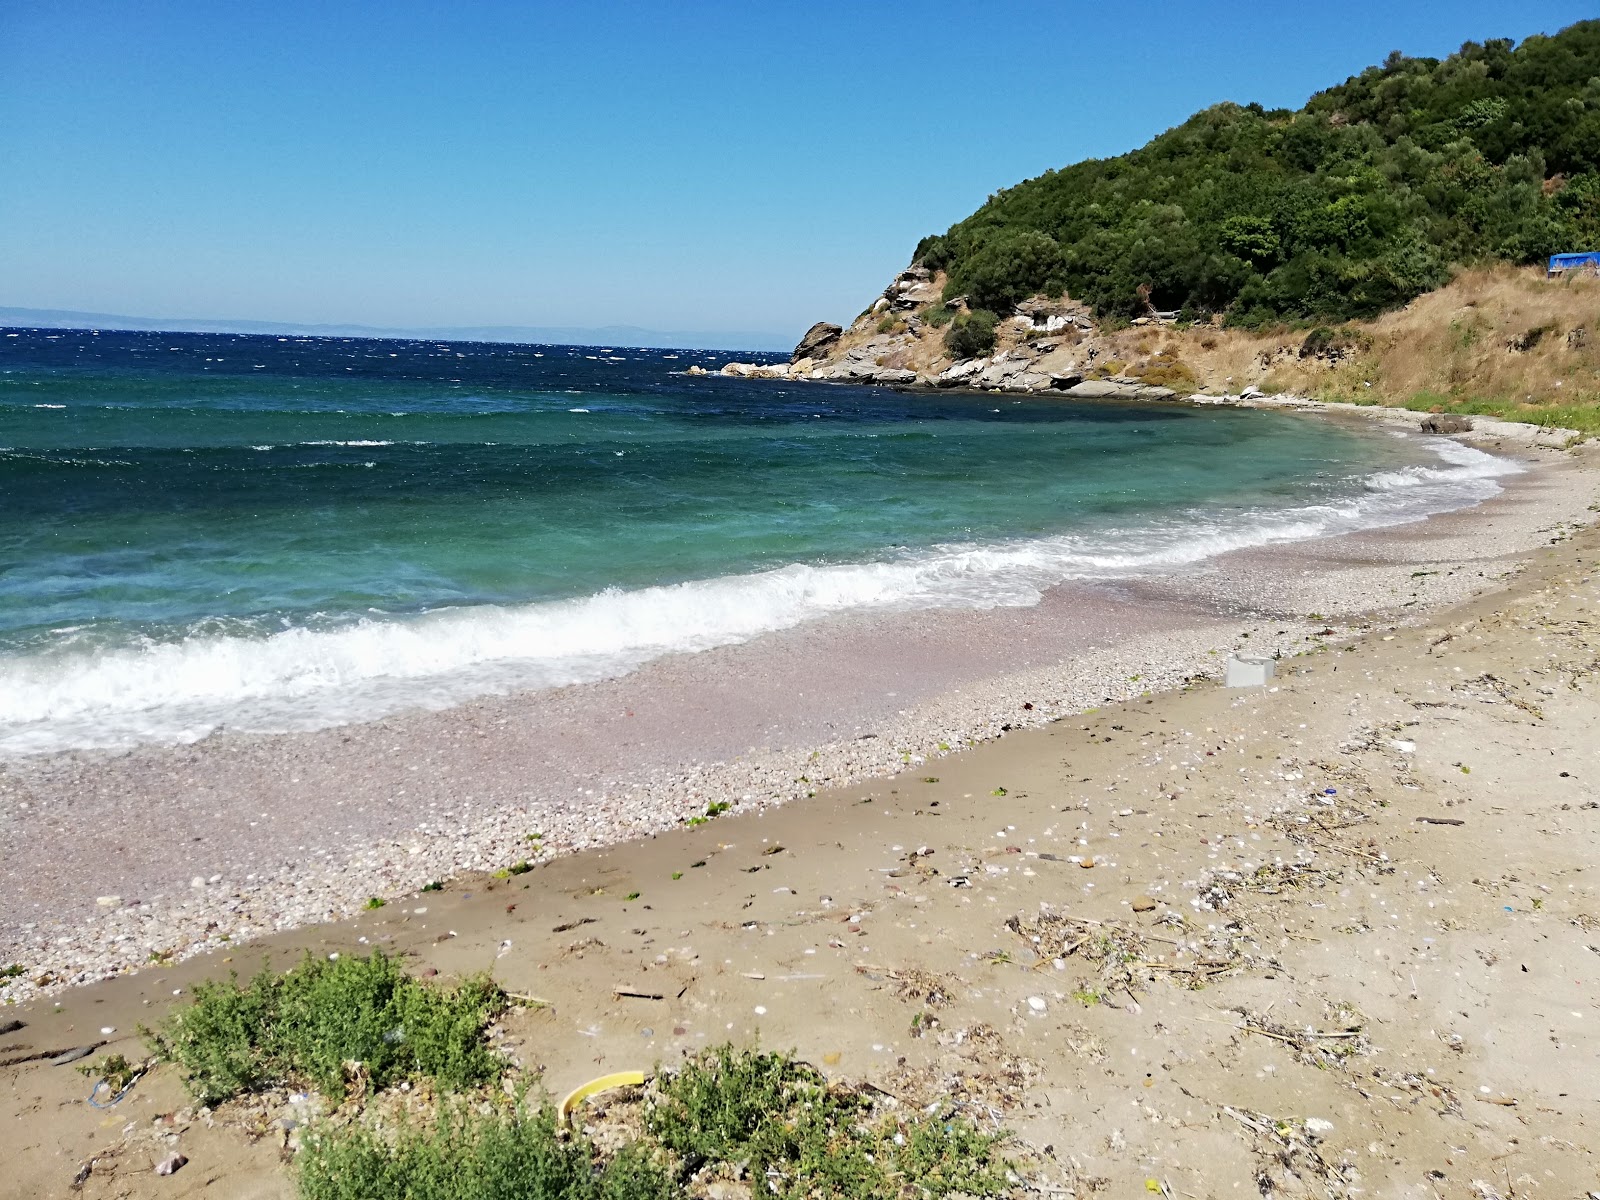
x=213, y=531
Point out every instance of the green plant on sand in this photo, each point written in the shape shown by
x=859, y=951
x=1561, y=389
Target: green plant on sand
x=726, y=1114
x=304, y=1026
x=468, y=1155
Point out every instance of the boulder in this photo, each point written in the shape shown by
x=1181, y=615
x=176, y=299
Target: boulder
x=831, y=371
x=817, y=340
x=1118, y=389
x=959, y=373
x=1446, y=423
x=739, y=370
x=1066, y=379
x=1097, y=389
x=894, y=375
x=996, y=373
x=1028, y=381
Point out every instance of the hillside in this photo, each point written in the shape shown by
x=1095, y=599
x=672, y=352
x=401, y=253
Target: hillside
x=1383, y=244
x=1367, y=196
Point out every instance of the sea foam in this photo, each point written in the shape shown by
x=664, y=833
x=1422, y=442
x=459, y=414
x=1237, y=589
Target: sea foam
x=304, y=678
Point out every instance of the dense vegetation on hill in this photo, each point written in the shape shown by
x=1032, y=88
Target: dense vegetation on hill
x=1368, y=196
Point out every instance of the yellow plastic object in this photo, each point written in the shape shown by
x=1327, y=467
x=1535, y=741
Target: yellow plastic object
x=595, y=1086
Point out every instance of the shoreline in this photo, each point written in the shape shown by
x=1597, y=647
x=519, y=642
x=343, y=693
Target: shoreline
x=105, y=925
x=1153, y=941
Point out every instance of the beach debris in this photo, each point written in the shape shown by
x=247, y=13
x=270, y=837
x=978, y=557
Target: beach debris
x=1218, y=888
x=605, y=1083
x=1440, y=821
x=1314, y=1047
x=1124, y=957
x=63, y=1057
x=1385, y=1083
x=171, y=1164
x=635, y=993
x=1247, y=671
x=1292, y=1147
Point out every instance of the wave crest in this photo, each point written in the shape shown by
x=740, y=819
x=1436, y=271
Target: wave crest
x=302, y=678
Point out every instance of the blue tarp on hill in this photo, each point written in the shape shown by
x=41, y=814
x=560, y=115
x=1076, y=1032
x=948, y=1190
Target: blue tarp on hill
x=1566, y=262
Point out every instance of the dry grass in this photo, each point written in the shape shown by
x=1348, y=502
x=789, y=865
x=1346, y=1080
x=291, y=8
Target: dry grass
x=1501, y=341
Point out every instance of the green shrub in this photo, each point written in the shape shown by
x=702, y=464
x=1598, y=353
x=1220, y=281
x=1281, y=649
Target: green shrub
x=938, y=316
x=807, y=1138
x=1007, y=267
x=304, y=1026
x=473, y=1156
x=726, y=1114
x=971, y=335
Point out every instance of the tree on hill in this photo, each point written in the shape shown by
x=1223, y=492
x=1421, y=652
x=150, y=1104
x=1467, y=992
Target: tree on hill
x=1369, y=195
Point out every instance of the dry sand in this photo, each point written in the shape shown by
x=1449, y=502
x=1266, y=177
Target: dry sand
x=1223, y=884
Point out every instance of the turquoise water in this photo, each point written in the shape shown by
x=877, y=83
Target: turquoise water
x=271, y=533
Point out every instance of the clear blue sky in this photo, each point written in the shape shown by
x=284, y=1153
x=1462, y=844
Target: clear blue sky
x=691, y=166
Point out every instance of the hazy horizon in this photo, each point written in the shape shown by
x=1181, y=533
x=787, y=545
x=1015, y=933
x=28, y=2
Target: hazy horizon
x=750, y=341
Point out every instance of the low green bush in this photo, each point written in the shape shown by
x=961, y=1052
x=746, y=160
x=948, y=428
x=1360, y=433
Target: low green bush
x=971, y=335
x=728, y=1114
x=807, y=1138
x=304, y=1026
x=468, y=1155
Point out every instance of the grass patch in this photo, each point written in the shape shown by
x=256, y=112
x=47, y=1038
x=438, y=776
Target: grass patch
x=727, y=1115
x=467, y=1155
x=306, y=1025
x=1582, y=416
x=786, y=1124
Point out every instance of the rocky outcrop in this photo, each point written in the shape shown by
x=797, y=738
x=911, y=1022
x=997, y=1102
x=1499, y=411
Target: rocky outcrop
x=1118, y=389
x=1446, y=423
x=1045, y=347
x=819, y=339
x=739, y=370
x=913, y=288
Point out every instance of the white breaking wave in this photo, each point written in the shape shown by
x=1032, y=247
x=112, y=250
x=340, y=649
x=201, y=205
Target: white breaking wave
x=302, y=678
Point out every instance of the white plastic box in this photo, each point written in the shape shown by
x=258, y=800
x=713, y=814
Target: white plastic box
x=1247, y=671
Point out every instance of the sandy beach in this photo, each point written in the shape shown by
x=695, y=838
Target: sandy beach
x=1400, y=828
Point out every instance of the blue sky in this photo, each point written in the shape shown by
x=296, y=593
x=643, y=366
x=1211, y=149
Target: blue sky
x=687, y=166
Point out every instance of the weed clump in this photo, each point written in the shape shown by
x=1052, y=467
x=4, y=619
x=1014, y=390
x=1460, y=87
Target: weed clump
x=328, y=1018
x=468, y=1155
x=727, y=1115
x=783, y=1122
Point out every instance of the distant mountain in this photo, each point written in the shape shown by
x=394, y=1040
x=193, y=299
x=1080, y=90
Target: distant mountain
x=559, y=335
